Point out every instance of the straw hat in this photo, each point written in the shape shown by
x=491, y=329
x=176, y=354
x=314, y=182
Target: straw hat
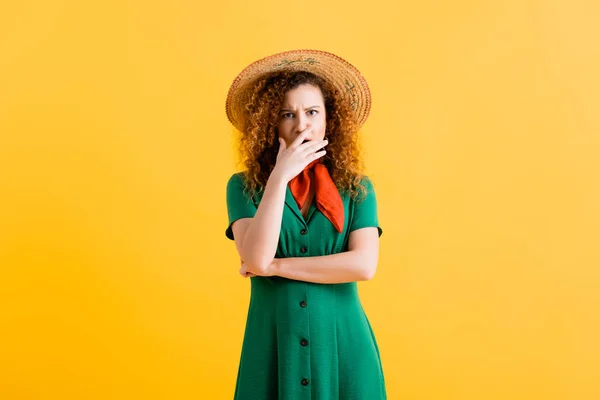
x=344, y=77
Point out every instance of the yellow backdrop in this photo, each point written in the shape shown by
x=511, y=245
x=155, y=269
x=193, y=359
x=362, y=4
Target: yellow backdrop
x=117, y=281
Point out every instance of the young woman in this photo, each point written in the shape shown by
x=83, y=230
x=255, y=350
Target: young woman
x=304, y=220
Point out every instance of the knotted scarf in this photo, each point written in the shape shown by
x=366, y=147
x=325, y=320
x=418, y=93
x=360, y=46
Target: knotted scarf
x=329, y=201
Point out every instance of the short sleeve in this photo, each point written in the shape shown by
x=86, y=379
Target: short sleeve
x=239, y=205
x=365, y=209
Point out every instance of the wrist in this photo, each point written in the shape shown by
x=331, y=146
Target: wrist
x=275, y=267
x=277, y=178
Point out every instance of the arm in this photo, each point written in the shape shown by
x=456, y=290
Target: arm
x=257, y=238
x=359, y=263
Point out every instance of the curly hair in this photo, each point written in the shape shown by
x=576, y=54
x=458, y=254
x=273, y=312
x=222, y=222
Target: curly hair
x=258, y=144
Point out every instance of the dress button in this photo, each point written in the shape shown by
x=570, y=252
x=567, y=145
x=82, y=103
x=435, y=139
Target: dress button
x=303, y=304
x=305, y=381
x=303, y=249
x=303, y=232
x=304, y=342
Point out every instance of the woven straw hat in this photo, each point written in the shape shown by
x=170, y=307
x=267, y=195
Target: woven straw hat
x=344, y=77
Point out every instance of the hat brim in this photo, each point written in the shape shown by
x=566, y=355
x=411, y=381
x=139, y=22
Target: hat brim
x=343, y=75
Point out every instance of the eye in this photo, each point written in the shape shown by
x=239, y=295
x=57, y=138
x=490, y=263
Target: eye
x=316, y=112
x=285, y=116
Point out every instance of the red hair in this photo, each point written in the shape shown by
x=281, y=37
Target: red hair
x=258, y=144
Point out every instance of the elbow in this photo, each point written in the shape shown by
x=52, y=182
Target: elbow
x=369, y=268
x=259, y=266
x=370, y=263
x=257, y=262
x=367, y=261
x=368, y=272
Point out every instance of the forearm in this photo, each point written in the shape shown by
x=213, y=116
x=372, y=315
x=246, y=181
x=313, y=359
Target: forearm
x=262, y=236
x=348, y=266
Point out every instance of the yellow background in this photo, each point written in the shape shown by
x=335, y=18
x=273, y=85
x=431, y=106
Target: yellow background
x=117, y=281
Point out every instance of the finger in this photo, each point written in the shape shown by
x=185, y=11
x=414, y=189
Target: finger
x=299, y=139
x=316, y=155
x=282, y=146
x=314, y=145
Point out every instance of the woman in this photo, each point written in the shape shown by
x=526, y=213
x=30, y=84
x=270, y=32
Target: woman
x=304, y=220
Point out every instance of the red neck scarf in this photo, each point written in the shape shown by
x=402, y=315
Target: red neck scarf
x=328, y=198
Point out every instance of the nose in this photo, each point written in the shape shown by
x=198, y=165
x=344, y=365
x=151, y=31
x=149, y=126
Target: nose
x=302, y=124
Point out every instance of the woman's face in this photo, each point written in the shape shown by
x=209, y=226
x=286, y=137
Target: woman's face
x=302, y=109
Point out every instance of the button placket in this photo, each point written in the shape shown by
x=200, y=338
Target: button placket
x=303, y=337
x=304, y=241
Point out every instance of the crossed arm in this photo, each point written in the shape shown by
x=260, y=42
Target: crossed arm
x=359, y=263
x=256, y=240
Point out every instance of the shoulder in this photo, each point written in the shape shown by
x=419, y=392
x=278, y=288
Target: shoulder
x=236, y=180
x=238, y=187
x=237, y=177
x=365, y=180
x=365, y=188
x=236, y=184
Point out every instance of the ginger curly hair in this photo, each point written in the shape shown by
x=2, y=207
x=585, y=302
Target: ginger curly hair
x=258, y=143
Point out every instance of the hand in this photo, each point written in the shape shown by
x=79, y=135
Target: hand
x=292, y=160
x=244, y=270
x=270, y=271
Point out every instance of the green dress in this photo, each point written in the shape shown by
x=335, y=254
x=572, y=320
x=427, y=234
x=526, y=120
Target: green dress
x=307, y=340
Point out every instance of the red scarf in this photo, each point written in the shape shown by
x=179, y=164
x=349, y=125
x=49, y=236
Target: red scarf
x=328, y=198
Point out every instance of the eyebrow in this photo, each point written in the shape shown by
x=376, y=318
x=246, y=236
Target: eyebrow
x=285, y=109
